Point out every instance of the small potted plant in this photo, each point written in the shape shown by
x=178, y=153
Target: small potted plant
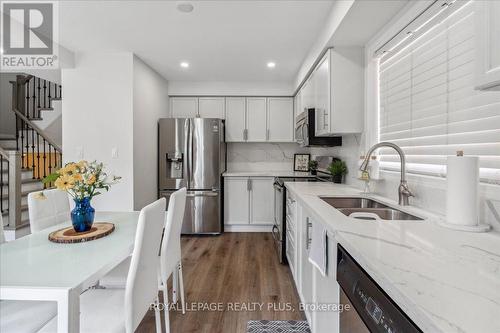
x=313, y=166
x=82, y=181
x=338, y=169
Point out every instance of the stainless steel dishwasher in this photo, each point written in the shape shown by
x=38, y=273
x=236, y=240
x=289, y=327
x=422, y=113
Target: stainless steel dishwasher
x=371, y=309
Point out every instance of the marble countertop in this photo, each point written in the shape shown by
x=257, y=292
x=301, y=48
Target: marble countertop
x=444, y=280
x=266, y=174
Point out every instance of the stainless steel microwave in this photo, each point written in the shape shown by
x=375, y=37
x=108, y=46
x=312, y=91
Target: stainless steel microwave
x=305, y=132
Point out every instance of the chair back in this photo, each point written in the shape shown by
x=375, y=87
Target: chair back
x=170, y=253
x=47, y=208
x=2, y=235
x=142, y=280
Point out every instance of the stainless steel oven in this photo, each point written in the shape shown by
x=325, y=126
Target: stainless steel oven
x=370, y=308
x=305, y=132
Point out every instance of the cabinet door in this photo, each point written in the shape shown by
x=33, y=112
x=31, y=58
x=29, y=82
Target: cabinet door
x=211, y=107
x=305, y=268
x=235, y=119
x=236, y=200
x=322, y=96
x=326, y=291
x=487, y=16
x=184, y=107
x=256, y=119
x=280, y=119
x=261, y=200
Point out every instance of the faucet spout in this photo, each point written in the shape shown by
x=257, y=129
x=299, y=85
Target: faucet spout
x=403, y=191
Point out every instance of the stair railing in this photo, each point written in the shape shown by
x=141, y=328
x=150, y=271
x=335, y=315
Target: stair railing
x=38, y=152
x=4, y=181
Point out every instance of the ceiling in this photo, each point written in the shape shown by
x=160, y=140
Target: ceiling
x=221, y=40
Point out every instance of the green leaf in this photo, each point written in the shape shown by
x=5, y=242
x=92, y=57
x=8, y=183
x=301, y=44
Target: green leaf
x=50, y=178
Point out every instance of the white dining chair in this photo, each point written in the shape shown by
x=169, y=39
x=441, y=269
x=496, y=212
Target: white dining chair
x=47, y=208
x=170, y=256
x=122, y=310
x=23, y=316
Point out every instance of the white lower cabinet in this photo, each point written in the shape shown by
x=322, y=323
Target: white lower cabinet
x=261, y=200
x=236, y=200
x=314, y=289
x=248, y=201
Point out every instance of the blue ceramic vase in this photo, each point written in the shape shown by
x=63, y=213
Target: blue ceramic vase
x=82, y=216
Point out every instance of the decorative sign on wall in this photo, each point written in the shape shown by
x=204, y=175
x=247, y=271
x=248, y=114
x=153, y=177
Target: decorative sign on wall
x=301, y=162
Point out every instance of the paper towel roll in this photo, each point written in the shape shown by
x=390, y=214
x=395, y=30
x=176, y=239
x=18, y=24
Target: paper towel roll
x=462, y=207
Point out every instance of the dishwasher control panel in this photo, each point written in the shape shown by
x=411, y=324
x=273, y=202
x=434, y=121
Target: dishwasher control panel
x=374, y=307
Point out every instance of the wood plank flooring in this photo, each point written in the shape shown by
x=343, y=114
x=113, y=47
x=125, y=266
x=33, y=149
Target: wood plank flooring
x=227, y=271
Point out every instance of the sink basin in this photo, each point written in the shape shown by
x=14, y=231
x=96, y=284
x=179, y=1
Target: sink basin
x=368, y=209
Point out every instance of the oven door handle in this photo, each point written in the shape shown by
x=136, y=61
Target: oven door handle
x=276, y=231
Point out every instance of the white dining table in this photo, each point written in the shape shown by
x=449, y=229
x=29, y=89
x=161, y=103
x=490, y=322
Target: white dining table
x=34, y=268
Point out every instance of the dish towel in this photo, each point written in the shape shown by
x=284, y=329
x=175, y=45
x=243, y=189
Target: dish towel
x=318, y=251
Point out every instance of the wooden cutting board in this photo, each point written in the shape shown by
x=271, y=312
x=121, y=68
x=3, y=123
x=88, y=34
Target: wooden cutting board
x=69, y=235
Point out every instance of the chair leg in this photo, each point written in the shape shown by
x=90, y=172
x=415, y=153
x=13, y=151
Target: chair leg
x=157, y=317
x=175, y=284
x=166, y=311
x=181, y=289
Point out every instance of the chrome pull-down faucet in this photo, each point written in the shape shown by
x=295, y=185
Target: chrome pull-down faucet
x=404, y=192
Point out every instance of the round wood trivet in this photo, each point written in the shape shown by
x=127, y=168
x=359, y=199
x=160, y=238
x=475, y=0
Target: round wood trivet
x=69, y=235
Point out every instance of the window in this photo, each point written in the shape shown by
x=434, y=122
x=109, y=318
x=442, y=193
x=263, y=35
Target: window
x=428, y=104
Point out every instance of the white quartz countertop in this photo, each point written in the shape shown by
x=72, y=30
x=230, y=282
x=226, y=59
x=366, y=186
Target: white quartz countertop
x=266, y=174
x=444, y=280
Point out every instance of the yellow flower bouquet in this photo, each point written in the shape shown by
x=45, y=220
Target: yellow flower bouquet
x=82, y=181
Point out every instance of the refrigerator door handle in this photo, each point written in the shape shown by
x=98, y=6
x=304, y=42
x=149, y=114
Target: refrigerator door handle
x=192, y=194
x=189, y=153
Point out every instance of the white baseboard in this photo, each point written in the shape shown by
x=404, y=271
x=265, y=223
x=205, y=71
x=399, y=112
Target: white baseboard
x=247, y=228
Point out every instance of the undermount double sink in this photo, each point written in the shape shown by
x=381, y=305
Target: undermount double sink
x=368, y=209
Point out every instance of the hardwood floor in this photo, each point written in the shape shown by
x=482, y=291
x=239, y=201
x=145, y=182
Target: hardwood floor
x=226, y=272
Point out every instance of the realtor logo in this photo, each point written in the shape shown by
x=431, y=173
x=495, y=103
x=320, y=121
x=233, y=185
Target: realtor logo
x=28, y=34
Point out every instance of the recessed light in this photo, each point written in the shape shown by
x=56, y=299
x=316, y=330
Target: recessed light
x=185, y=64
x=184, y=6
x=271, y=64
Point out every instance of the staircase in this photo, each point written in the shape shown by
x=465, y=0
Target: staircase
x=30, y=155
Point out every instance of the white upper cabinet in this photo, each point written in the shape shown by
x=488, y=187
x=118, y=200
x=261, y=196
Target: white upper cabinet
x=211, y=107
x=280, y=121
x=235, y=119
x=184, y=107
x=321, y=99
x=256, y=119
x=335, y=89
x=488, y=44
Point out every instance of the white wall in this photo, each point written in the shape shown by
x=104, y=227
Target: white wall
x=98, y=116
x=214, y=88
x=150, y=103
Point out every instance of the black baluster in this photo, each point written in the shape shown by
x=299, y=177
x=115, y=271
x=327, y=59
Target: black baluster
x=38, y=174
x=22, y=141
x=27, y=106
x=38, y=98
x=50, y=161
x=44, y=93
x=33, y=152
x=60, y=91
x=27, y=147
x=50, y=97
x=44, y=162
x=17, y=132
x=33, y=102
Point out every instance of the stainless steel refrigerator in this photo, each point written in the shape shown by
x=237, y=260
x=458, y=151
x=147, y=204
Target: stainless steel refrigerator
x=192, y=154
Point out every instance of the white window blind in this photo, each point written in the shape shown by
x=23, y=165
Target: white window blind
x=428, y=104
